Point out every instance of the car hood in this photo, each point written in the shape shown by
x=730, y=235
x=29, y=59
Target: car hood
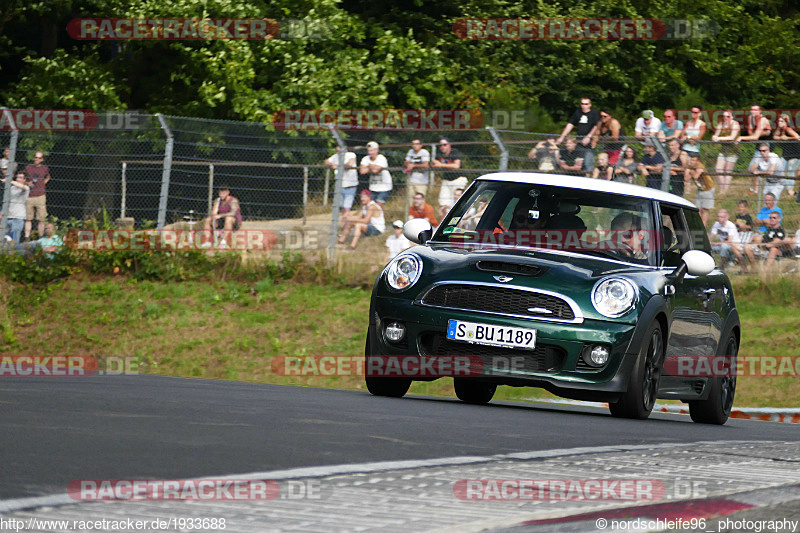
x=570, y=274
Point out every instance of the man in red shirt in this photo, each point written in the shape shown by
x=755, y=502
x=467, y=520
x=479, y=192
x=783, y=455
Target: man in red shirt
x=422, y=209
x=36, y=205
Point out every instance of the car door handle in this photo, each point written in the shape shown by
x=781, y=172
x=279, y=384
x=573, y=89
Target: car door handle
x=709, y=292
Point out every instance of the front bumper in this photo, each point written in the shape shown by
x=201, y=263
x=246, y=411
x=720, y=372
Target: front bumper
x=556, y=364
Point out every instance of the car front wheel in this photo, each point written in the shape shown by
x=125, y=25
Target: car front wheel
x=474, y=392
x=638, y=401
x=717, y=408
x=382, y=386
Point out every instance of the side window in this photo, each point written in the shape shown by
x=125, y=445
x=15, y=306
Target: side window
x=697, y=231
x=674, y=236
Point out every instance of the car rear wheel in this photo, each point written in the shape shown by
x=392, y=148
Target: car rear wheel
x=380, y=386
x=638, y=401
x=717, y=408
x=474, y=392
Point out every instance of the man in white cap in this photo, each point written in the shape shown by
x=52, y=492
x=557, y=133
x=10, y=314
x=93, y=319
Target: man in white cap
x=396, y=242
x=376, y=165
x=647, y=125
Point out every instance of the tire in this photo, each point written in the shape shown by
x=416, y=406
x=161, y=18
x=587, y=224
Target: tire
x=378, y=386
x=717, y=408
x=474, y=392
x=638, y=401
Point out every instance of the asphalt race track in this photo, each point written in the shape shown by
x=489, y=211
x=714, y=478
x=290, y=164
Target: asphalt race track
x=56, y=430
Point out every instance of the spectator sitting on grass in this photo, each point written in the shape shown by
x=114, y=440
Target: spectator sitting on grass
x=774, y=241
x=770, y=205
x=602, y=169
x=725, y=238
x=396, y=242
x=49, y=243
x=225, y=216
x=545, y=153
x=422, y=209
x=571, y=156
x=370, y=222
x=744, y=222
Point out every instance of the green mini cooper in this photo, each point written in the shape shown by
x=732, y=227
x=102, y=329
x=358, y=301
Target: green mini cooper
x=593, y=290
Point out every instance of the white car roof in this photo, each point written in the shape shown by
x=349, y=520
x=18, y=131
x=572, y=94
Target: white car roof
x=588, y=184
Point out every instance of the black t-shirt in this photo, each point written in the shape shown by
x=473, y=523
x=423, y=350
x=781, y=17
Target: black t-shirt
x=774, y=234
x=450, y=175
x=584, y=122
x=746, y=218
x=570, y=157
x=653, y=160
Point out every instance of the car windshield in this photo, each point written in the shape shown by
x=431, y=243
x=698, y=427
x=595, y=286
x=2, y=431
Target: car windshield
x=532, y=216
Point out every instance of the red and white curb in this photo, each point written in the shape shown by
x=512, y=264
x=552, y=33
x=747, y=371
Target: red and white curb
x=671, y=515
x=790, y=415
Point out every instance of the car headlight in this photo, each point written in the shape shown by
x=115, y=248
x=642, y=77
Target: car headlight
x=403, y=271
x=614, y=297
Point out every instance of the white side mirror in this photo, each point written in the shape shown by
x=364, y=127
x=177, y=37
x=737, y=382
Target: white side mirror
x=418, y=230
x=698, y=262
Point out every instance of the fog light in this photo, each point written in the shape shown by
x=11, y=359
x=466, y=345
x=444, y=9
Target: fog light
x=394, y=331
x=599, y=355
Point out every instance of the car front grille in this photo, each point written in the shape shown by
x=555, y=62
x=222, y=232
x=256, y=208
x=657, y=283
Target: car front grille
x=501, y=300
x=545, y=358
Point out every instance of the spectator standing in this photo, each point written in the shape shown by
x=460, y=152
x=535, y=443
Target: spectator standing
x=571, y=157
x=694, y=132
x=678, y=161
x=696, y=173
x=370, y=222
x=725, y=238
x=726, y=132
x=670, y=128
x=627, y=166
x=790, y=148
x=349, y=180
x=652, y=165
x=768, y=165
x=376, y=166
x=417, y=165
x=396, y=242
x=770, y=205
x=422, y=209
x=758, y=129
x=20, y=188
x=646, y=125
x=609, y=132
x=545, y=153
x=448, y=159
x=585, y=123
x=36, y=206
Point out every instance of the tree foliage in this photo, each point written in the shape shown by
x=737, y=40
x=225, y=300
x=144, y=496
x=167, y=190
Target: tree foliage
x=397, y=55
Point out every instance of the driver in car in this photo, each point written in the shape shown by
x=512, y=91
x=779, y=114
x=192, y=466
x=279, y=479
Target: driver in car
x=629, y=237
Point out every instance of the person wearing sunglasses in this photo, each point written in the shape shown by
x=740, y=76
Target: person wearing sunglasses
x=768, y=165
x=585, y=121
x=448, y=159
x=774, y=242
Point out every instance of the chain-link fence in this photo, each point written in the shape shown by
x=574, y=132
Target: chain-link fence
x=157, y=171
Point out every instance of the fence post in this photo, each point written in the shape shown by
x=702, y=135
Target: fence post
x=210, y=188
x=162, y=200
x=10, y=171
x=665, y=172
x=503, y=165
x=327, y=186
x=305, y=193
x=337, y=192
x=124, y=186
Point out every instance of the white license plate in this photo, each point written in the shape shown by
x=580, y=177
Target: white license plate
x=508, y=337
